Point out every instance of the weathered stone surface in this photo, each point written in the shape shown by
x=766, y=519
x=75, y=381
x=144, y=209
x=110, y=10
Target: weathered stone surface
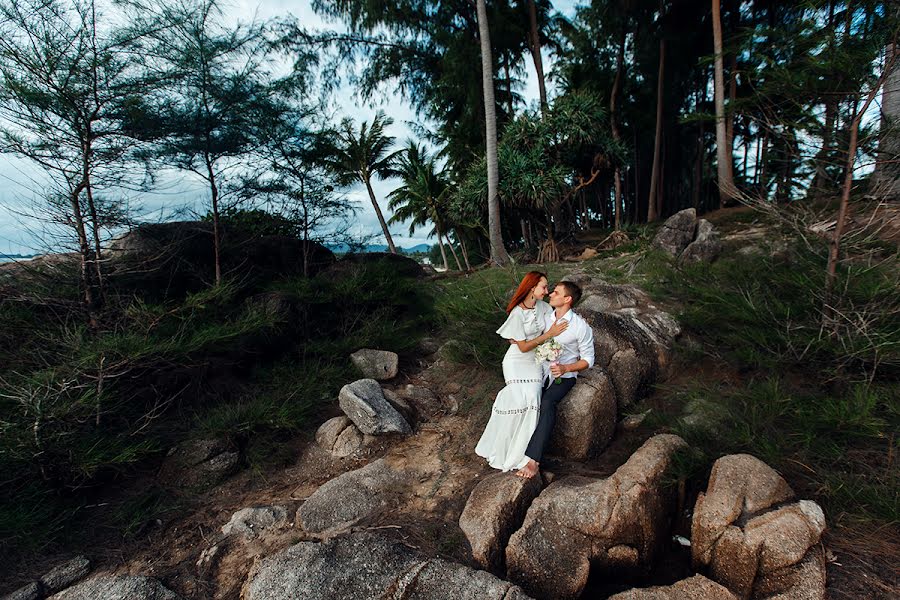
x=32, y=591
x=124, y=587
x=697, y=587
x=353, y=496
x=339, y=437
x=496, y=508
x=706, y=246
x=249, y=522
x=585, y=418
x=751, y=542
x=626, y=370
x=376, y=364
x=199, y=464
x=738, y=484
x=400, y=405
x=64, y=575
x=604, y=297
x=366, y=566
x=364, y=402
x=426, y=404
x=614, y=524
x=677, y=232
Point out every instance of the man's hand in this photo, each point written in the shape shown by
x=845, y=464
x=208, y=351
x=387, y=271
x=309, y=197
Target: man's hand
x=557, y=370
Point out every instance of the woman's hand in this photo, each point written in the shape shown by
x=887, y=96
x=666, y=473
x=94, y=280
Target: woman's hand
x=557, y=328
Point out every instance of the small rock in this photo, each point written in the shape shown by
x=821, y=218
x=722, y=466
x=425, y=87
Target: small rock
x=429, y=346
x=496, y=508
x=32, y=591
x=400, y=404
x=117, y=587
x=64, y=575
x=249, y=522
x=364, y=402
x=706, y=247
x=349, y=442
x=632, y=422
x=376, y=364
x=426, y=403
x=329, y=431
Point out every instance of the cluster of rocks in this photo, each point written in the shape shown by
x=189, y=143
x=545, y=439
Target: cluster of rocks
x=687, y=238
x=56, y=579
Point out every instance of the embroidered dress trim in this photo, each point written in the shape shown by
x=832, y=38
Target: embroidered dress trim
x=509, y=381
x=516, y=411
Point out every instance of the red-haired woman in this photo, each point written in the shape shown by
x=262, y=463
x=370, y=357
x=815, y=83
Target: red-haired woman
x=515, y=412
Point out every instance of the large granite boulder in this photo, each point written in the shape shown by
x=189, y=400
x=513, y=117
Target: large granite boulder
x=199, y=464
x=375, y=488
x=364, y=403
x=117, y=587
x=697, y=587
x=365, y=566
x=677, y=232
x=496, y=508
x=613, y=525
x=751, y=540
x=339, y=437
x=376, y=364
x=706, y=246
x=585, y=418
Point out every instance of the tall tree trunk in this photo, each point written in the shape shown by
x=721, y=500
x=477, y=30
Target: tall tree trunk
x=727, y=191
x=440, y=237
x=886, y=177
x=465, y=251
x=498, y=252
x=614, y=125
x=453, y=251
x=92, y=209
x=844, y=210
x=217, y=234
x=526, y=234
x=384, y=227
x=652, y=201
x=535, y=46
x=83, y=247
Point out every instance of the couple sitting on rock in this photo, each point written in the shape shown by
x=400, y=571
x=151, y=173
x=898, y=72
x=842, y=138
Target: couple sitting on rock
x=524, y=412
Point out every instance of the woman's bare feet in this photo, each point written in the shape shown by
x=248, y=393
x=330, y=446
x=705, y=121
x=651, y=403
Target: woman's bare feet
x=529, y=470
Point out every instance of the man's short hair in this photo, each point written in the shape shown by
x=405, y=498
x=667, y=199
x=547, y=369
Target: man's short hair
x=573, y=290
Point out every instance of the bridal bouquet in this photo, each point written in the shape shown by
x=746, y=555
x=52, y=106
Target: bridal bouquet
x=549, y=351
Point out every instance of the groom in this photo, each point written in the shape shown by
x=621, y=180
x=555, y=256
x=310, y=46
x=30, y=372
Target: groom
x=577, y=355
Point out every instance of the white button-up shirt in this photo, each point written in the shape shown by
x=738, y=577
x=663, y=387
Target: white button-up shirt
x=577, y=340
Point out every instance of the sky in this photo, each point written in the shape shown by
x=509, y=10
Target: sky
x=21, y=182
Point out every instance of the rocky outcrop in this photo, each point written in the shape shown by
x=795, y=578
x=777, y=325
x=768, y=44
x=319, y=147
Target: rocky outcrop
x=496, y=508
x=353, y=496
x=697, y=587
x=364, y=403
x=376, y=364
x=64, y=575
x=585, y=418
x=677, y=232
x=751, y=539
x=578, y=523
x=124, y=587
x=249, y=523
x=198, y=464
x=706, y=246
x=339, y=437
x=368, y=566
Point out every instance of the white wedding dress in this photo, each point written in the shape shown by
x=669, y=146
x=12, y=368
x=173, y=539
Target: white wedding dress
x=514, y=415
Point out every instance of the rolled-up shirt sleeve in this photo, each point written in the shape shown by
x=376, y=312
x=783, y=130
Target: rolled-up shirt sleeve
x=586, y=343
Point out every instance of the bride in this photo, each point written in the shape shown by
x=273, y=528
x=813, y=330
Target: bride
x=514, y=415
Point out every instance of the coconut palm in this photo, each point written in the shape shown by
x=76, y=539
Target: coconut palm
x=422, y=196
x=360, y=154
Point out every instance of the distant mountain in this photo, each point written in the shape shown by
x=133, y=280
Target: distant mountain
x=11, y=257
x=342, y=248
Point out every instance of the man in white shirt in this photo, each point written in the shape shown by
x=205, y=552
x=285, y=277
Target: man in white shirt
x=577, y=355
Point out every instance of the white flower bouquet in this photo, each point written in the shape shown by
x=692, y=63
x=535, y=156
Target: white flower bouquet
x=549, y=351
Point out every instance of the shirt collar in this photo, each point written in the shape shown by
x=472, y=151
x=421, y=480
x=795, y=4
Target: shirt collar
x=567, y=316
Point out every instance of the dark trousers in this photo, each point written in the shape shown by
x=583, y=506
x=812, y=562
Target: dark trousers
x=549, y=399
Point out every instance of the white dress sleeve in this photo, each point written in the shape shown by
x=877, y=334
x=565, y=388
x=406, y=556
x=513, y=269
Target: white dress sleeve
x=514, y=328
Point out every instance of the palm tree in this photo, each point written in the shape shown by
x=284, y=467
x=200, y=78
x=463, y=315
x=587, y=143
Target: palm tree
x=360, y=155
x=498, y=252
x=727, y=191
x=422, y=196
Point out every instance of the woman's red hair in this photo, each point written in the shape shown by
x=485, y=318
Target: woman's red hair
x=531, y=279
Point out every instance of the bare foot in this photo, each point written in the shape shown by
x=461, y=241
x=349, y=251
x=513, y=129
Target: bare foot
x=529, y=470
